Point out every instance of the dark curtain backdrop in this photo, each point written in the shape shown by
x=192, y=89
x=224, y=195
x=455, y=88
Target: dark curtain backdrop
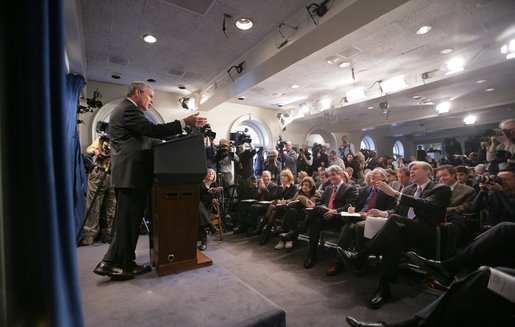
x=39, y=158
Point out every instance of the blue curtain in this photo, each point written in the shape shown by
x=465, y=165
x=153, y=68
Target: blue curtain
x=39, y=159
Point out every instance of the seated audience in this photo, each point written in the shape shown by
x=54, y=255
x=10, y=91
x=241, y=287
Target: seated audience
x=411, y=225
x=307, y=197
x=208, y=198
x=403, y=179
x=335, y=160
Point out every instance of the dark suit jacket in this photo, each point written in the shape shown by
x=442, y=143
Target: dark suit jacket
x=269, y=193
x=384, y=202
x=461, y=199
x=132, y=136
x=345, y=196
x=430, y=208
x=286, y=193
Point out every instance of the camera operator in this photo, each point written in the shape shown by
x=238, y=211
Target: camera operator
x=502, y=148
x=305, y=160
x=289, y=158
x=273, y=165
x=497, y=195
x=224, y=158
x=320, y=158
x=244, y=174
x=210, y=151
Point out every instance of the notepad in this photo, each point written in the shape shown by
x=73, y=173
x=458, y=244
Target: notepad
x=373, y=225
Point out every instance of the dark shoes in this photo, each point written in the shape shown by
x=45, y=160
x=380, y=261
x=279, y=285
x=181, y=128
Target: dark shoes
x=240, y=230
x=355, y=259
x=137, y=270
x=334, y=269
x=380, y=296
x=202, y=246
x=356, y=323
x=433, y=267
x=110, y=269
x=310, y=261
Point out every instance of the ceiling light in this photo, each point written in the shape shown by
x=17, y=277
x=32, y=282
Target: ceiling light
x=325, y=104
x=370, y=108
x=509, y=49
x=304, y=108
x=480, y=81
x=151, y=80
x=332, y=60
x=443, y=107
x=446, y=51
x=149, y=38
x=393, y=84
x=244, y=23
x=416, y=97
x=344, y=64
x=241, y=98
x=489, y=90
x=181, y=87
x=187, y=103
x=294, y=86
x=116, y=76
x=278, y=94
x=469, y=120
x=455, y=65
x=355, y=94
x=423, y=29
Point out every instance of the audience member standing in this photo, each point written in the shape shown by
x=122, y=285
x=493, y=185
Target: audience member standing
x=347, y=147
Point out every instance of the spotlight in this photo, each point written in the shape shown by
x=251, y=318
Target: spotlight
x=384, y=106
x=187, y=103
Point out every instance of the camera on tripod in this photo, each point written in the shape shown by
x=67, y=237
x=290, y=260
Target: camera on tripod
x=487, y=179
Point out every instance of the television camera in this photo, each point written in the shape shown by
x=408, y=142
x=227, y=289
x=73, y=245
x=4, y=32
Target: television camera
x=239, y=138
x=92, y=103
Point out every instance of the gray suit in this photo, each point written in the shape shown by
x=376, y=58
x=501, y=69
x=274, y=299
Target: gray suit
x=461, y=199
x=132, y=136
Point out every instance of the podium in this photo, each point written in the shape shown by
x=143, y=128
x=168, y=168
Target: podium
x=179, y=167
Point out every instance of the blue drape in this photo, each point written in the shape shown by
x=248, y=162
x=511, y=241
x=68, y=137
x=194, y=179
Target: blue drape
x=39, y=158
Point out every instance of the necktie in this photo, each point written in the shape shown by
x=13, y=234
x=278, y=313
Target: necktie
x=373, y=199
x=400, y=188
x=411, y=212
x=330, y=205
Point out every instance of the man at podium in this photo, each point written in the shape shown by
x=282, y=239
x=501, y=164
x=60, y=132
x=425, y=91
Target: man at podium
x=132, y=137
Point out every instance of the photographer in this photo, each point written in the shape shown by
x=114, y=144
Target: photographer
x=320, y=158
x=502, y=147
x=289, y=158
x=273, y=165
x=209, y=137
x=497, y=195
x=305, y=160
x=224, y=158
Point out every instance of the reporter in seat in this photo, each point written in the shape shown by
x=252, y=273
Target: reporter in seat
x=132, y=137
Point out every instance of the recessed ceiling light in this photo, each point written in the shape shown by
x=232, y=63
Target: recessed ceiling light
x=370, y=108
x=443, y=107
x=423, y=29
x=149, y=38
x=446, y=51
x=181, y=87
x=151, y=80
x=416, y=97
x=278, y=94
x=489, y=90
x=469, y=120
x=344, y=64
x=294, y=86
x=244, y=23
x=241, y=98
x=480, y=81
x=116, y=76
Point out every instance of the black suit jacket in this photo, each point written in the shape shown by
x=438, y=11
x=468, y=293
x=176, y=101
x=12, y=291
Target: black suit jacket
x=132, y=136
x=430, y=208
x=345, y=196
x=383, y=202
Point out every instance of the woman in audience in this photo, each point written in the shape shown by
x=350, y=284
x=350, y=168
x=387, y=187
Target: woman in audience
x=208, y=198
x=307, y=197
x=300, y=176
x=360, y=160
x=351, y=162
x=286, y=191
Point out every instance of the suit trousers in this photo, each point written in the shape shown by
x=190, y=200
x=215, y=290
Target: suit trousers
x=316, y=222
x=400, y=233
x=130, y=209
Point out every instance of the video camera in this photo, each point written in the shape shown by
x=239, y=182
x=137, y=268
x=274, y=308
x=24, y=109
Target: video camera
x=239, y=138
x=280, y=144
x=316, y=148
x=502, y=156
x=102, y=128
x=92, y=103
x=487, y=179
x=207, y=131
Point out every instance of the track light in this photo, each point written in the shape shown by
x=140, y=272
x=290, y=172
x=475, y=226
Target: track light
x=187, y=103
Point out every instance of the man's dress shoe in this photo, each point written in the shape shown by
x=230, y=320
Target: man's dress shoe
x=310, y=261
x=202, y=246
x=355, y=259
x=433, y=267
x=356, y=323
x=334, y=269
x=105, y=268
x=137, y=270
x=380, y=296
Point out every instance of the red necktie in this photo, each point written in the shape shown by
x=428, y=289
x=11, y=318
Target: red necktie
x=330, y=205
x=373, y=199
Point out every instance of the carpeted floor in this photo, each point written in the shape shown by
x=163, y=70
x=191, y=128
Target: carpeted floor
x=265, y=280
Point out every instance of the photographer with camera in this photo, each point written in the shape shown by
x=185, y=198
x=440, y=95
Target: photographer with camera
x=273, y=165
x=305, y=160
x=224, y=158
x=497, y=195
x=209, y=138
x=320, y=158
x=502, y=148
x=100, y=198
x=289, y=158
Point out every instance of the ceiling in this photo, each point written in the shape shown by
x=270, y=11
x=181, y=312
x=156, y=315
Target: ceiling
x=286, y=46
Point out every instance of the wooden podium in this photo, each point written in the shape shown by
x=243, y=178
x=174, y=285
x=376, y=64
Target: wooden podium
x=179, y=167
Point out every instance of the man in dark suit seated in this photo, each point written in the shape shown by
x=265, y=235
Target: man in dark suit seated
x=132, y=137
x=412, y=224
x=337, y=198
x=369, y=197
